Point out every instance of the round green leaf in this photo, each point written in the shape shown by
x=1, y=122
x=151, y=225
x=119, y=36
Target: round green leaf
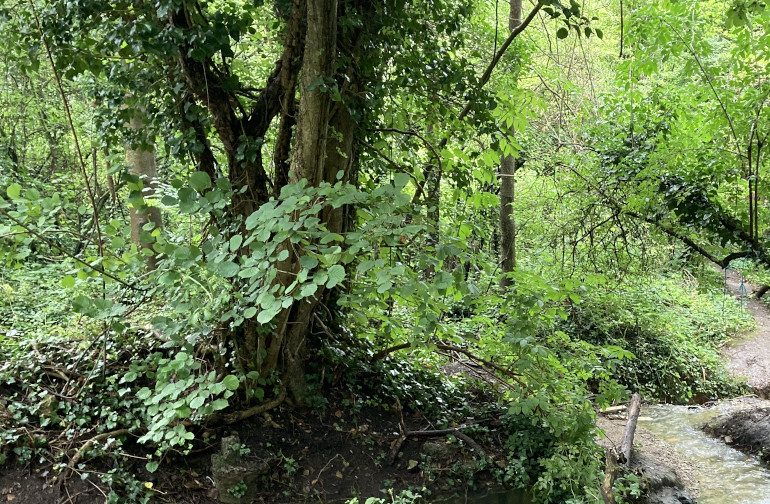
x=200, y=180
x=562, y=33
x=231, y=382
x=235, y=242
x=228, y=269
x=336, y=275
x=13, y=191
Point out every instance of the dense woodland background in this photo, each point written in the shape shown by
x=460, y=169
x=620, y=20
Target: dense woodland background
x=212, y=208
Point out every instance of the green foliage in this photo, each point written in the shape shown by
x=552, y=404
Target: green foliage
x=409, y=258
x=238, y=490
x=672, y=328
x=627, y=488
x=403, y=497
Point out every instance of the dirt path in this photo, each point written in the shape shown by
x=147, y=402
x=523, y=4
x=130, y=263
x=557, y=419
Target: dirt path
x=749, y=356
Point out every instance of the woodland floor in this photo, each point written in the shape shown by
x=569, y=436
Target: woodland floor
x=340, y=451
x=322, y=455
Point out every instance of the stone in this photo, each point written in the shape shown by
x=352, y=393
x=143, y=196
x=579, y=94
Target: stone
x=236, y=478
x=661, y=482
x=438, y=451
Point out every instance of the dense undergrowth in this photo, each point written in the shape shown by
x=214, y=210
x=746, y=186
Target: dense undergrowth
x=65, y=381
x=674, y=324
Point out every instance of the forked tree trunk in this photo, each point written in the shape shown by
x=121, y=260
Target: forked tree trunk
x=318, y=157
x=507, y=187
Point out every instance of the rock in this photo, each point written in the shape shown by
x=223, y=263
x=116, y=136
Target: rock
x=438, y=451
x=236, y=479
x=660, y=482
x=670, y=496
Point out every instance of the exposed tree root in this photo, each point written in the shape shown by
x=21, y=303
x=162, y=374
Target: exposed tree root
x=237, y=416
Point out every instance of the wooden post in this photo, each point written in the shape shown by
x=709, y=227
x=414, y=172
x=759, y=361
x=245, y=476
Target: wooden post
x=610, y=472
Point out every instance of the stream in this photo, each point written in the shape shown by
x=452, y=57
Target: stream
x=725, y=475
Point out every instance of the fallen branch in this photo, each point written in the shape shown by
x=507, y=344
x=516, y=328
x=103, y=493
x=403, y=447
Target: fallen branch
x=628, y=436
x=455, y=431
x=237, y=416
x=100, y=437
x=451, y=348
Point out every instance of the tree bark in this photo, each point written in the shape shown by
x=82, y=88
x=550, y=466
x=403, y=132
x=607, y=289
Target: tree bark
x=141, y=163
x=308, y=163
x=628, y=435
x=507, y=187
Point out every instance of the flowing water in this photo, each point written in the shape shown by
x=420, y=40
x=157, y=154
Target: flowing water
x=725, y=475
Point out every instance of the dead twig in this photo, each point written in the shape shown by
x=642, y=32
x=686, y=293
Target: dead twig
x=99, y=437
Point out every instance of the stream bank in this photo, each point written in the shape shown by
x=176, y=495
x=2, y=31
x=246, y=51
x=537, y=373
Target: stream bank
x=720, y=468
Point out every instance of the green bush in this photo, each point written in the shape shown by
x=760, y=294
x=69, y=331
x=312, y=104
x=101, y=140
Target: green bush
x=673, y=327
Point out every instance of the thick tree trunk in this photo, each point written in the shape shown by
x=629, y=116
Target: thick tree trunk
x=308, y=163
x=507, y=187
x=141, y=163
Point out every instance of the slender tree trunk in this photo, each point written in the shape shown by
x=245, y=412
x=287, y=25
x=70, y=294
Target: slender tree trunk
x=141, y=163
x=507, y=187
x=433, y=202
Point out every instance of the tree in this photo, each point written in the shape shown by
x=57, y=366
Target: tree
x=686, y=153
x=276, y=141
x=141, y=163
x=507, y=185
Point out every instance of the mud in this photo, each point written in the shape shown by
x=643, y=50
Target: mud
x=748, y=431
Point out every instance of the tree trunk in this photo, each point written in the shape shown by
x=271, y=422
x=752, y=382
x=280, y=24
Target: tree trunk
x=507, y=187
x=141, y=163
x=308, y=163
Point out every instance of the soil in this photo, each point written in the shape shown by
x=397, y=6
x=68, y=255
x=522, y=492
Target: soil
x=749, y=356
x=328, y=454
